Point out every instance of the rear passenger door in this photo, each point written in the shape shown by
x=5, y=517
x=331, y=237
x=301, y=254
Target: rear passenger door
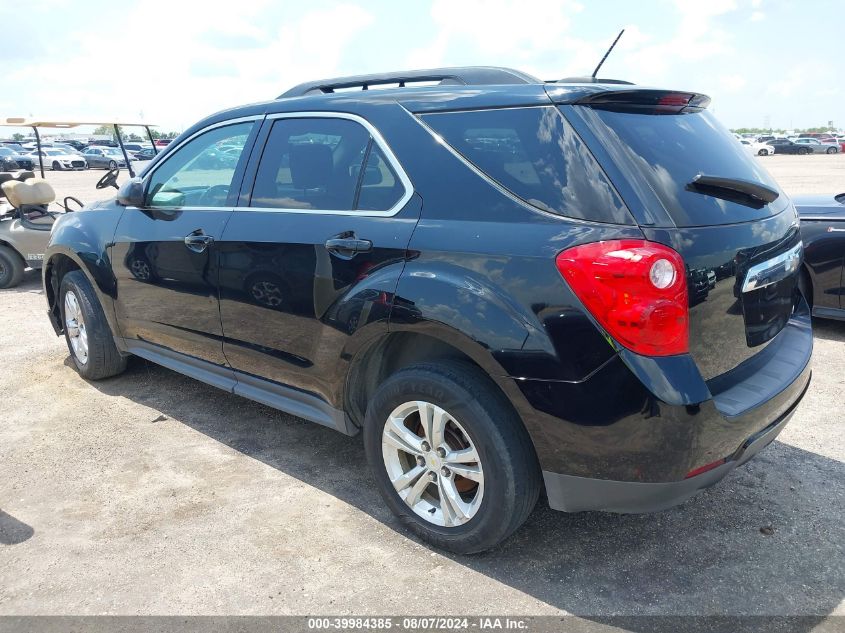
x=311, y=255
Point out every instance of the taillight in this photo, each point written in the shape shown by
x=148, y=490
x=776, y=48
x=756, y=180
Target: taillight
x=636, y=290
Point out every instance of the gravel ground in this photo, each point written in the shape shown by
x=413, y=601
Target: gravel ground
x=151, y=493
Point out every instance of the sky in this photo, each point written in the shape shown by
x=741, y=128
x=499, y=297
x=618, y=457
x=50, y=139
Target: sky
x=172, y=62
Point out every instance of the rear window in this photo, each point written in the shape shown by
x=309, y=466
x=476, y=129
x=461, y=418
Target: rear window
x=672, y=149
x=537, y=156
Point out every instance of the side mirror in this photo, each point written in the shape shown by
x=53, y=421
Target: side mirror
x=131, y=193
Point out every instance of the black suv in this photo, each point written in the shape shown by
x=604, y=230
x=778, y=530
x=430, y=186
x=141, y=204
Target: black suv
x=505, y=284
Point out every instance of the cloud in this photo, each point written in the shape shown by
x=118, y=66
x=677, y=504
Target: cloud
x=733, y=83
x=501, y=31
x=197, y=65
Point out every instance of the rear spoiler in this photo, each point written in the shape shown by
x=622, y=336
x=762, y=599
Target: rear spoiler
x=615, y=95
x=647, y=101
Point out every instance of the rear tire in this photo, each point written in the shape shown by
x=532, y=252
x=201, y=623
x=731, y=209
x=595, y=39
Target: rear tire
x=452, y=512
x=12, y=266
x=762, y=152
x=803, y=151
x=831, y=150
x=87, y=333
x=112, y=165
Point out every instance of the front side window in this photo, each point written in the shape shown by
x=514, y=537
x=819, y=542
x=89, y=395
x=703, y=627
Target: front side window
x=199, y=174
x=324, y=164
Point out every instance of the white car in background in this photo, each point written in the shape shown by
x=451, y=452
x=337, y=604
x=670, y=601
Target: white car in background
x=58, y=159
x=758, y=149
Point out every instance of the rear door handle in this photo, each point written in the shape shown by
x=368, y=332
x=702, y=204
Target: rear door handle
x=348, y=246
x=198, y=241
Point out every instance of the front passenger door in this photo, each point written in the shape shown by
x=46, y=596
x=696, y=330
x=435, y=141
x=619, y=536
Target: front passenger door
x=164, y=255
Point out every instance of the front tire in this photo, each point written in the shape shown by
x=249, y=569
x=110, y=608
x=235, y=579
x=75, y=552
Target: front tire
x=112, y=165
x=11, y=267
x=803, y=151
x=450, y=456
x=831, y=150
x=87, y=333
x=762, y=152
x=56, y=166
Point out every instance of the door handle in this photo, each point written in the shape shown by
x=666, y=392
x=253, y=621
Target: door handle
x=198, y=241
x=347, y=245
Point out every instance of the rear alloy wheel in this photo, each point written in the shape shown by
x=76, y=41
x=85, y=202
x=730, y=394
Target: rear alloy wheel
x=831, y=150
x=803, y=151
x=762, y=152
x=89, y=338
x=112, y=164
x=450, y=456
x=435, y=468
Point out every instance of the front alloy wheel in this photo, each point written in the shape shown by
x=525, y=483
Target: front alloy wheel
x=432, y=463
x=75, y=327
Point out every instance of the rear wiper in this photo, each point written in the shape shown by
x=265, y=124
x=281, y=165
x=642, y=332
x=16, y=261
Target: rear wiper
x=737, y=190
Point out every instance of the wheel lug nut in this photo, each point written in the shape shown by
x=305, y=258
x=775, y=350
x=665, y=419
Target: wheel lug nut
x=441, y=452
x=426, y=447
x=432, y=476
x=445, y=471
x=420, y=460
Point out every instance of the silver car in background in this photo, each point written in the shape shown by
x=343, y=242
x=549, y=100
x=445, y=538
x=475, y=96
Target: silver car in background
x=104, y=157
x=816, y=146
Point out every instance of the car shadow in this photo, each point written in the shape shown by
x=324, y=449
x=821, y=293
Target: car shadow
x=767, y=540
x=829, y=329
x=13, y=531
x=31, y=282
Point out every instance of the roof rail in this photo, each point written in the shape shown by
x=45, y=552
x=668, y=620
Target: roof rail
x=467, y=76
x=589, y=80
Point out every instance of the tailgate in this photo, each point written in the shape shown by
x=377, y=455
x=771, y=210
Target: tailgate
x=693, y=187
x=742, y=282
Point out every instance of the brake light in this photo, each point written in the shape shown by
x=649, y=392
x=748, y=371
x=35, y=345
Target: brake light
x=635, y=289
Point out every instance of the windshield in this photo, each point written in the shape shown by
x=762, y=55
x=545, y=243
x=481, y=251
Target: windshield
x=671, y=150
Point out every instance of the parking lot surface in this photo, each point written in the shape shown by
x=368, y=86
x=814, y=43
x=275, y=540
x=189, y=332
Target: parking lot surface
x=151, y=493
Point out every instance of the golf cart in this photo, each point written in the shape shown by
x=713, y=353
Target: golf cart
x=25, y=214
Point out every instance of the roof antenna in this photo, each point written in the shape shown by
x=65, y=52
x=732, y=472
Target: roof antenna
x=596, y=71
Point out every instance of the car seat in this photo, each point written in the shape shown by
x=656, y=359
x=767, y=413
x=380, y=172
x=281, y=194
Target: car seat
x=30, y=198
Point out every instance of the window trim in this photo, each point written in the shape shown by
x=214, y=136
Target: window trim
x=183, y=142
x=376, y=137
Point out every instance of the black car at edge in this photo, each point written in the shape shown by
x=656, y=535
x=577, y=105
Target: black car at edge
x=505, y=284
x=822, y=278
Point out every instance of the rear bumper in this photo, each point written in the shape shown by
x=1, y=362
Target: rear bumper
x=570, y=493
x=628, y=437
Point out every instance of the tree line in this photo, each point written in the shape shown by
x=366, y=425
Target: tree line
x=768, y=130
x=104, y=130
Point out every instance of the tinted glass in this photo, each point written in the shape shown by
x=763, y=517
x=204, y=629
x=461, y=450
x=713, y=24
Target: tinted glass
x=380, y=186
x=311, y=164
x=199, y=174
x=536, y=155
x=669, y=150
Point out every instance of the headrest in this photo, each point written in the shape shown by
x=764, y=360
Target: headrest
x=33, y=191
x=310, y=165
